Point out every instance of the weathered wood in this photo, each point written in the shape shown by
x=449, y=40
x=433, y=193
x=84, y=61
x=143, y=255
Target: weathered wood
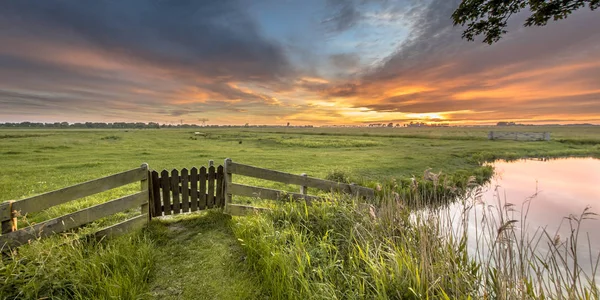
x=47, y=200
x=165, y=185
x=243, y=210
x=185, y=191
x=175, y=191
x=219, y=190
x=194, y=189
x=288, y=178
x=156, y=201
x=211, y=187
x=303, y=188
x=145, y=186
x=202, y=201
x=123, y=227
x=9, y=223
x=73, y=220
x=265, y=193
x=227, y=181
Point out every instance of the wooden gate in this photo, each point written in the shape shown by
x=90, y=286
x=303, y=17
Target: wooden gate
x=184, y=191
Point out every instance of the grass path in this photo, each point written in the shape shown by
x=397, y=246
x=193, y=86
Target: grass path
x=198, y=257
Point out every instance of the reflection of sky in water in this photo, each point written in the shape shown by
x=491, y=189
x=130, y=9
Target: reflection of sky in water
x=564, y=186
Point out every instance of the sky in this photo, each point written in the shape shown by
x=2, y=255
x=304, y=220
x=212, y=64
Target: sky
x=306, y=62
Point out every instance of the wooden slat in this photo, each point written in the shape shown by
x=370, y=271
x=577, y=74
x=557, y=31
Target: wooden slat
x=265, y=193
x=211, y=187
x=288, y=178
x=123, y=227
x=243, y=210
x=165, y=185
x=156, y=199
x=9, y=224
x=202, y=201
x=175, y=191
x=219, y=199
x=47, y=200
x=73, y=220
x=185, y=191
x=194, y=189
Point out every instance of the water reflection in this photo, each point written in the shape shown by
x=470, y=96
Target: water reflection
x=560, y=188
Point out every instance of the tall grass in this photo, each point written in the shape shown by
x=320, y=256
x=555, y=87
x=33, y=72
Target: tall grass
x=72, y=267
x=344, y=248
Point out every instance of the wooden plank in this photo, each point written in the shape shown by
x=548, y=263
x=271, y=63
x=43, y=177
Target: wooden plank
x=194, y=189
x=243, y=210
x=47, y=200
x=175, y=191
x=9, y=223
x=288, y=178
x=73, y=220
x=165, y=185
x=144, y=186
x=185, y=191
x=156, y=199
x=228, y=179
x=211, y=187
x=265, y=193
x=219, y=191
x=123, y=227
x=202, y=201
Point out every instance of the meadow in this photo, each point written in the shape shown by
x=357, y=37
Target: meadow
x=208, y=255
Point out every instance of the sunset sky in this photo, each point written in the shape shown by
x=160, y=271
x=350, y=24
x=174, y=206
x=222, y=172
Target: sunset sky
x=298, y=61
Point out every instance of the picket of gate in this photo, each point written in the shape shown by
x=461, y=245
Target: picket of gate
x=184, y=191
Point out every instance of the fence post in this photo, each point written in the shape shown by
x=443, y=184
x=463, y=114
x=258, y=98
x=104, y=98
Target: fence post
x=210, y=163
x=7, y=218
x=303, y=188
x=227, y=182
x=144, y=187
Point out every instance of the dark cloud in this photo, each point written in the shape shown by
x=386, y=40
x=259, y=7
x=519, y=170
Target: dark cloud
x=206, y=37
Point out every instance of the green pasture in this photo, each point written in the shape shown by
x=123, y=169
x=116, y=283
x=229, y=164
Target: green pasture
x=193, y=248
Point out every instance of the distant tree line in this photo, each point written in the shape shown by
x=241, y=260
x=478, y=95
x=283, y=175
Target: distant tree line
x=132, y=125
x=119, y=125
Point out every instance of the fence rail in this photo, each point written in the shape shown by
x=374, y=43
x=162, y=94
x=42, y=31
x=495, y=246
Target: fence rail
x=303, y=181
x=519, y=136
x=9, y=210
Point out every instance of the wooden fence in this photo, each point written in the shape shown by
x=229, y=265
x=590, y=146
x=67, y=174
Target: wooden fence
x=519, y=136
x=303, y=181
x=9, y=210
x=167, y=193
x=186, y=191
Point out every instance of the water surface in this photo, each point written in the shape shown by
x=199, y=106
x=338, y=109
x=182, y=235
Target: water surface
x=551, y=190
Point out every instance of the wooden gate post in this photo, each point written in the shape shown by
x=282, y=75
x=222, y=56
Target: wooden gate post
x=303, y=188
x=227, y=182
x=7, y=218
x=145, y=208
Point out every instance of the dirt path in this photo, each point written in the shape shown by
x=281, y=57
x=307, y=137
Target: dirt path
x=198, y=257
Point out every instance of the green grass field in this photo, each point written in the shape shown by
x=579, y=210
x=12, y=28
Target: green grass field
x=177, y=254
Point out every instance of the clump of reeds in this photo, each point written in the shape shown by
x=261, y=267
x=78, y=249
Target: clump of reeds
x=401, y=247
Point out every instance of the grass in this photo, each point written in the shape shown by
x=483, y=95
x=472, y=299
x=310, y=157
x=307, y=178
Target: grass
x=71, y=267
x=344, y=248
x=339, y=251
x=198, y=257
